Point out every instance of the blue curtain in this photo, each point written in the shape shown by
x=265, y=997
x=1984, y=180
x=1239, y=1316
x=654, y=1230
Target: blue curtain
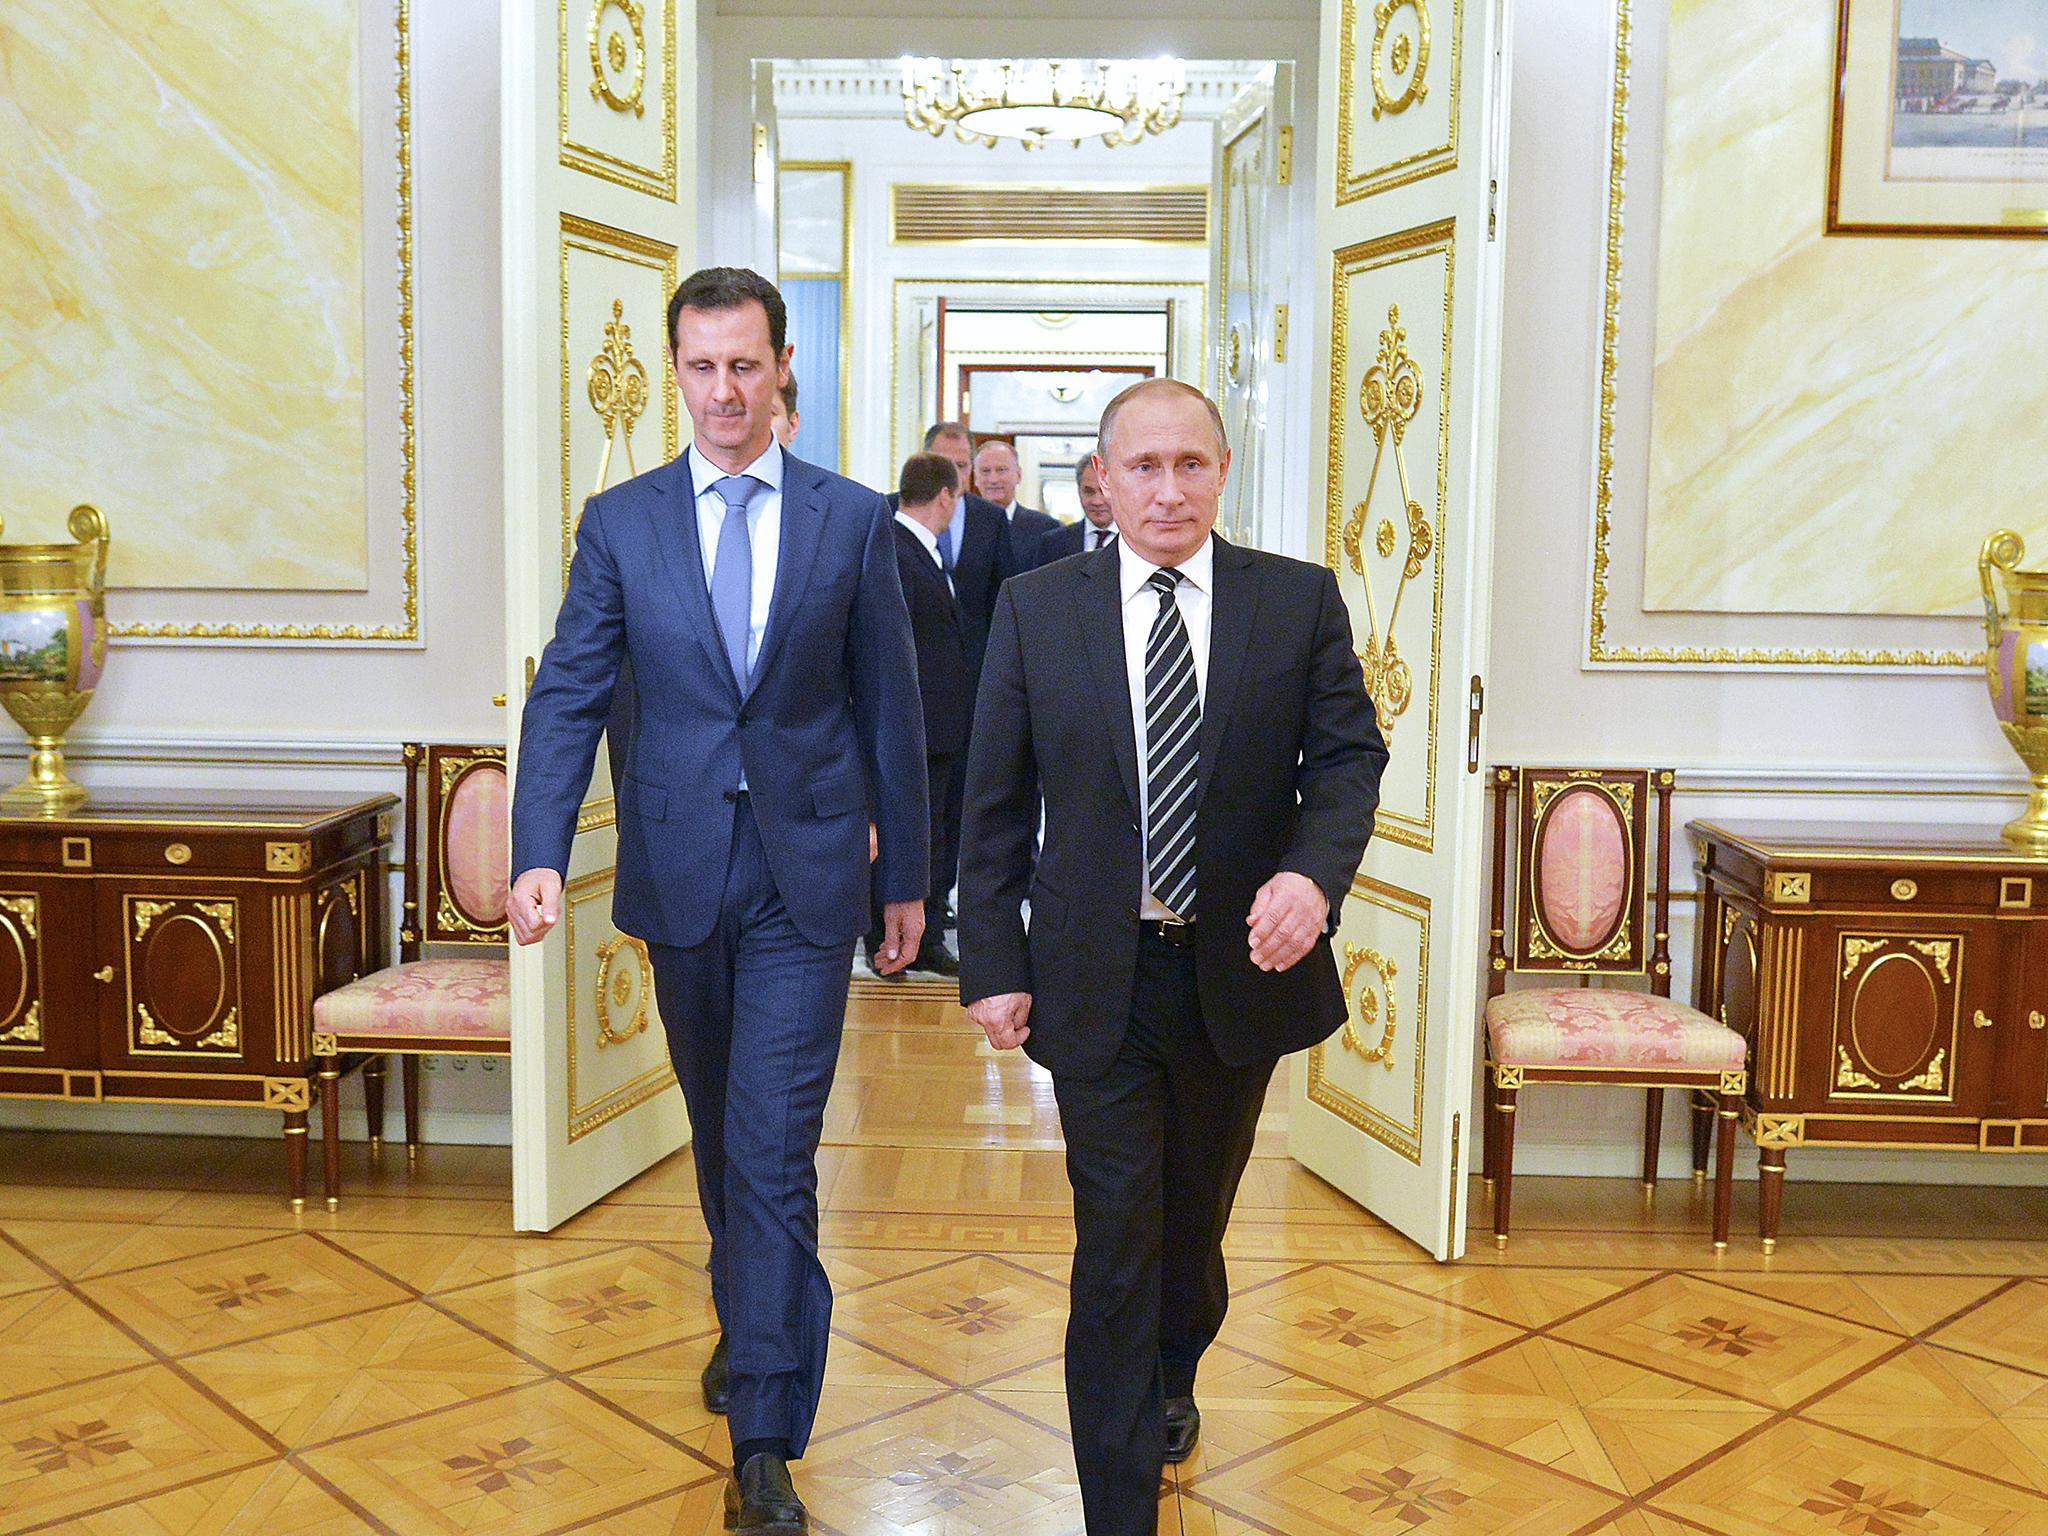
x=813, y=304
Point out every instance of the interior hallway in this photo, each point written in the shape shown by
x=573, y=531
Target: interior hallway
x=182, y=1355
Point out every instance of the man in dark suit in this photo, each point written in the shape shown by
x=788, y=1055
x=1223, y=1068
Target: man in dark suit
x=1096, y=528
x=757, y=600
x=996, y=476
x=1207, y=802
x=928, y=488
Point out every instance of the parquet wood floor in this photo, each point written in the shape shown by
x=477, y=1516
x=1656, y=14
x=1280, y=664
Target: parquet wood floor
x=180, y=1355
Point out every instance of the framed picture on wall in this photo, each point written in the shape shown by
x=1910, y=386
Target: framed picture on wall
x=1940, y=118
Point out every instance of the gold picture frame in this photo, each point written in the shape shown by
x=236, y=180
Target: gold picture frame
x=1931, y=132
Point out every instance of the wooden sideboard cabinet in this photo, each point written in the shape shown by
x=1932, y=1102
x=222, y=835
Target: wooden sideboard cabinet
x=168, y=949
x=1892, y=982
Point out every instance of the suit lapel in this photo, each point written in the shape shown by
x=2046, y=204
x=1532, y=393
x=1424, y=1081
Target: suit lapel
x=796, y=553
x=1102, y=634
x=675, y=535
x=1232, y=615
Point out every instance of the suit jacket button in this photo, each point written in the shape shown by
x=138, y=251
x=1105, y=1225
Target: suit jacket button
x=732, y=797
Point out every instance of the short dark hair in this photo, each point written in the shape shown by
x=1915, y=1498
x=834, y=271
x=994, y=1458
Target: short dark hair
x=939, y=429
x=924, y=476
x=730, y=288
x=788, y=393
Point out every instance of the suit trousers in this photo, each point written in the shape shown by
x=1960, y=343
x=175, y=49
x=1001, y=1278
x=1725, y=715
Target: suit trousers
x=1155, y=1150
x=754, y=1015
x=945, y=860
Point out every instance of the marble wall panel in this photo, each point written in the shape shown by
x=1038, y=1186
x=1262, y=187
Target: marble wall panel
x=181, y=327
x=1836, y=422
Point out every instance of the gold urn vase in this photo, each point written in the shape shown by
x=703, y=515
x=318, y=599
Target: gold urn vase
x=2016, y=660
x=53, y=645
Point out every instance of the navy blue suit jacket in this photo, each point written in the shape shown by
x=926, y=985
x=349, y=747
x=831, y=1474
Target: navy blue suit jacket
x=829, y=724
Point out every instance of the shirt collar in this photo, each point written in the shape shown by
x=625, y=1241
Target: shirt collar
x=1134, y=570
x=767, y=469
x=925, y=536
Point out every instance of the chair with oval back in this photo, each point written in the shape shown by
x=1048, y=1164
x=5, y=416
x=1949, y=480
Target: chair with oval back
x=1584, y=897
x=456, y=873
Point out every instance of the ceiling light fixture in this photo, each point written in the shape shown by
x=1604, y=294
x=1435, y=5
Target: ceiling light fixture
x=1034, y=101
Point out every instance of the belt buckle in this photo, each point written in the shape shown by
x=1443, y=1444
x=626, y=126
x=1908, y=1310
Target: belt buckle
x=1177, y=932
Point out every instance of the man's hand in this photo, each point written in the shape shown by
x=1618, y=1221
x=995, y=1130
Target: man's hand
x=902, y=932
x=535, y=905
x=1002, y=1018
x=874, y=843
x=1286, y=919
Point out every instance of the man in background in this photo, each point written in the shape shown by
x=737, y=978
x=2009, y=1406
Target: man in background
x=996, y=476
x=927, y=491
x=1096, y=529
x=785, y=421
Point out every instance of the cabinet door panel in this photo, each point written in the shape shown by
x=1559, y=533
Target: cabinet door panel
x=1911, y=1012
x=180, y=999
x=46, y=1017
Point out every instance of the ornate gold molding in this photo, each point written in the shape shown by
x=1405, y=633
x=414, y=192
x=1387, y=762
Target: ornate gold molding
x=655, y=180
x=1366, y=1006
x=1353, y=183
x=1598, y=647
x=409, y=629
x=616, y=382
x=1398, y=58
x=615, y=990
x=611, y=49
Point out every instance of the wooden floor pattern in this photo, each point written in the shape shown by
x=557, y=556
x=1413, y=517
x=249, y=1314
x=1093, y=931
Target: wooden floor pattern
x=180, y=1355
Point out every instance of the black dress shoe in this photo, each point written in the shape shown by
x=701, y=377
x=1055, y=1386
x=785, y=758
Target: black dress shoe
x=936, y=959
x=1183, y=1428
x=760, y=1501
x=717, y=1388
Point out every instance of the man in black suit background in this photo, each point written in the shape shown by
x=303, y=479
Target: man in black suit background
x=926, y=493
x=1207, y=802
x=996, y=477
x=1096, y=528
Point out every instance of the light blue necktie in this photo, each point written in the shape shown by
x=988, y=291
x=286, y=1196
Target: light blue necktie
x=946, y=548
x=732, y=569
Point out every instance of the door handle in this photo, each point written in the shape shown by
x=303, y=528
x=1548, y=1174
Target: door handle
x=1980, y=1020
x=497, y=701
x=2037, y=1020
x=104, y=974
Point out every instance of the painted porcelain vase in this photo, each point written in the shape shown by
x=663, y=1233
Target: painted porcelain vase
x=2016, y=660
x=53, y=644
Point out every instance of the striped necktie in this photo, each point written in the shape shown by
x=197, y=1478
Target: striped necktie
x=1173, y=722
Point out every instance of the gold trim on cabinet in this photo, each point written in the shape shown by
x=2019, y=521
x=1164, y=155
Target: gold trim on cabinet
x=1437, y=238
x=654, y=181
x=409, y=509
x=1353, y=185
x=2015, y=891
x=21, y=1024
x=1794, y=887
x=287, y=858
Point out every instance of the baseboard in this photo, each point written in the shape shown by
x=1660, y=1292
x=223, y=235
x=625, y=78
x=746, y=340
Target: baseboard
x=444, y=1128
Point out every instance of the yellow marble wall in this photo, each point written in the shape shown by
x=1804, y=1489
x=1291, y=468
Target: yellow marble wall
x=181, y=317
x=1836, y=423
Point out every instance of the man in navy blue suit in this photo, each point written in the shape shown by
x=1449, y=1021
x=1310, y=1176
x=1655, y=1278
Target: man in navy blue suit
x=776, y=708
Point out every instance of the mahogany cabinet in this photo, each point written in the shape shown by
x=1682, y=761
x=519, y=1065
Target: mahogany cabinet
x=168, y=949
x=1892, y=983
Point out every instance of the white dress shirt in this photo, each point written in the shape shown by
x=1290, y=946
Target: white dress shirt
x=929, y=540
x=1195, y=596
x=764, y=518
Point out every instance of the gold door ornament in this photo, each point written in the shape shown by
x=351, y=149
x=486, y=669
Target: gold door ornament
x=623, y=991
x=1367, y=1007
x=1389, y=397
x=617, y=385
x=1407, y=59
x=612, y=49
x=2016, y=669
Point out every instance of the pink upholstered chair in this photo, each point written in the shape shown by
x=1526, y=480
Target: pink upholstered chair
x=455, y=889
x=1584, y=886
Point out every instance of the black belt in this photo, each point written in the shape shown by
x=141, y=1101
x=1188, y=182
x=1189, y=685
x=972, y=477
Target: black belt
x=1168, y=930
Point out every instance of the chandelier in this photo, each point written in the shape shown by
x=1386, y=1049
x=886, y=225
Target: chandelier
x=1037, y=100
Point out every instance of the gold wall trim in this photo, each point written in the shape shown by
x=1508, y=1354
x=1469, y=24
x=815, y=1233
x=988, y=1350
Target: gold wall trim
x=1355, y=184
x=1598, y=647
x=1437, y=238
x=408, y=510
x=985, y=213
x=654, y=180
x=593, y=238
